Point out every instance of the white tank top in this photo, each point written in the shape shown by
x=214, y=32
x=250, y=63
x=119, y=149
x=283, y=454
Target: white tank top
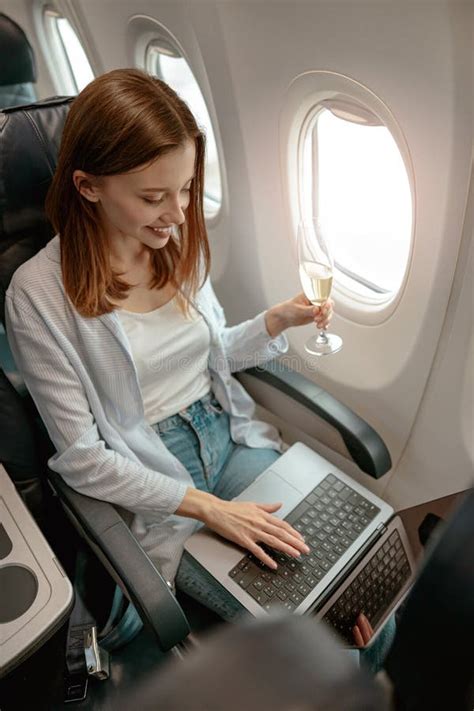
x=171, y=354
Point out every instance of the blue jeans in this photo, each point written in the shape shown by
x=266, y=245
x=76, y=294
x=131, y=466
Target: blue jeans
x=199, y=437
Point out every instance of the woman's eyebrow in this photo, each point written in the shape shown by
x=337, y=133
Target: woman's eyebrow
x=157, y=190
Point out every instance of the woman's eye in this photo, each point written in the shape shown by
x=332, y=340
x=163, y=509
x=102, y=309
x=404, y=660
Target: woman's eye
x=149, y=201
x=153, y=202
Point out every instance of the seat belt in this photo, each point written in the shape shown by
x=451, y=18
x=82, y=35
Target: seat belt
x=84, y=656
x=87, y=649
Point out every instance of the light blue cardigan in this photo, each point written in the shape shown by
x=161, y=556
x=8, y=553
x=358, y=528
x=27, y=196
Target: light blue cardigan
x=81, y=375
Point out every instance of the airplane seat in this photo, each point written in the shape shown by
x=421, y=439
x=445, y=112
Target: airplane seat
x=17, y=65
x=29, y=142
x=19, y=447
x=281, y=662
x=23, y=231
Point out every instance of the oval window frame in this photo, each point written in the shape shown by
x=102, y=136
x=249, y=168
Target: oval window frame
x=63, y=79
x=303, y=99
x=142, y=30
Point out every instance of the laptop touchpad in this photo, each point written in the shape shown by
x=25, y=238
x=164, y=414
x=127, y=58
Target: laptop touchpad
x=270, y=488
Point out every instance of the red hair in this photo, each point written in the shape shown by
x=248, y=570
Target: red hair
x=123, y=120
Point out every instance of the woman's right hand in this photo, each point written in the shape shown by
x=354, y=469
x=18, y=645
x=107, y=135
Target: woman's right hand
x=246, y=523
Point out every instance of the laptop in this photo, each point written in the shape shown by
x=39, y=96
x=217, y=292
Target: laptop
x=360, y=557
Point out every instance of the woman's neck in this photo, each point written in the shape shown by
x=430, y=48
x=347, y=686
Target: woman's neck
x=128, y=253
x=126, y=261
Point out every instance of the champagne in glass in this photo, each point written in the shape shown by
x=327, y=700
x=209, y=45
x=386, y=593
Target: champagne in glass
x=316, y=280
x=316, y=268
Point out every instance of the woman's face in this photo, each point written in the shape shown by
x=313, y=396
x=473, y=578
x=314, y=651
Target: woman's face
x=145, y=204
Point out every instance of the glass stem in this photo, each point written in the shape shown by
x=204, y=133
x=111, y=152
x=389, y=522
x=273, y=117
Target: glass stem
x=322, y=339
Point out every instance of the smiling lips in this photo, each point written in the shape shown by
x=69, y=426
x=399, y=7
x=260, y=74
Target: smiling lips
x=162, y=231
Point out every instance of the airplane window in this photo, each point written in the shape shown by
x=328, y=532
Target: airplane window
x=72, y=68
x=354, y=179
x=163, y=60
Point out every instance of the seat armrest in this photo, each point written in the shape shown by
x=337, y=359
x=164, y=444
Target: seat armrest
x=113, y=542
x=365, y=446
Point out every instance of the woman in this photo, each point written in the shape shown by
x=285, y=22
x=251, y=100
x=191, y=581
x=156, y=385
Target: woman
x=123, y=344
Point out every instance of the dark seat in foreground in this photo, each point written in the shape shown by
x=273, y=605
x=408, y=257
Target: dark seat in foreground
x=431, y=660
x=280, y=663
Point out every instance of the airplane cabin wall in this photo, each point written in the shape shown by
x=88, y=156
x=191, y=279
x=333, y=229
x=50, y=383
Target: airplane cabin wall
x=417, y=58
x=439, y=455
x=411, y=375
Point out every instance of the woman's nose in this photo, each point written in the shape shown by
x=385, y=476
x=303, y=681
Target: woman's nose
x=174, y=212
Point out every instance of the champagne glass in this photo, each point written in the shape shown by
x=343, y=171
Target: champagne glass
x=316, y=267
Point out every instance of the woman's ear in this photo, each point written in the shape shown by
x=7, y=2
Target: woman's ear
x=86, y=185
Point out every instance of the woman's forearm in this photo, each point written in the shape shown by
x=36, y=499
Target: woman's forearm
x=275, y=321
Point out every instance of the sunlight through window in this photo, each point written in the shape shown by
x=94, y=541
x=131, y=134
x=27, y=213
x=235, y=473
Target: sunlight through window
x=175, y=71
x=356, y=183
x=71, y=67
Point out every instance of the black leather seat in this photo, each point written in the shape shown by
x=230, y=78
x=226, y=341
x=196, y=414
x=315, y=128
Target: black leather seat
x=19, y=448
x=23, y=232
x=17, y=65
x=29, y=143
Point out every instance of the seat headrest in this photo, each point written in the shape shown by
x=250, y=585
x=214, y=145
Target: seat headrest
x=17, y=61
x=30, y=137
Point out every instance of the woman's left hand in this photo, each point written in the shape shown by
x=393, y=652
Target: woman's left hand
x=298, y=311
x=362, y=631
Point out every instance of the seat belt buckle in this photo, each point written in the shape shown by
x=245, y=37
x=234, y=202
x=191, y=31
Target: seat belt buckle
x=75, y=688
x=97, y=658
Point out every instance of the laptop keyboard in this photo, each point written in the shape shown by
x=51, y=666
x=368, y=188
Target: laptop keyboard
x=373, y=590
x=330, y=519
